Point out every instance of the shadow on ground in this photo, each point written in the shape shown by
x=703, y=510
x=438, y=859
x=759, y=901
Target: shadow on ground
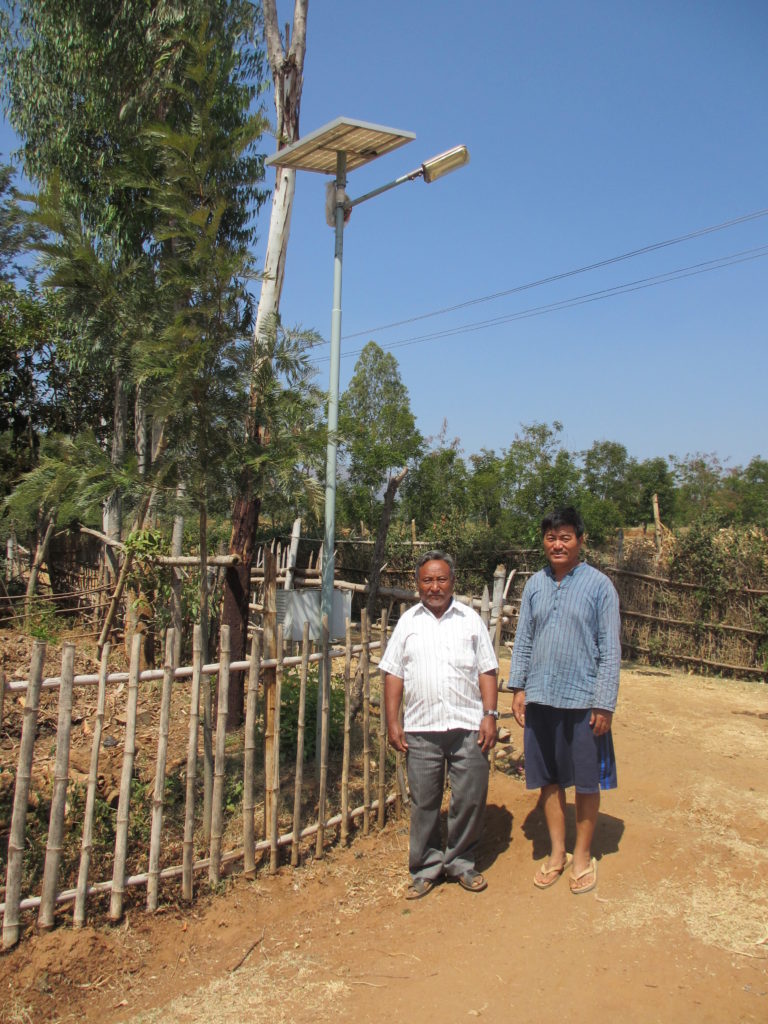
x=497, y=835
x=608, y=832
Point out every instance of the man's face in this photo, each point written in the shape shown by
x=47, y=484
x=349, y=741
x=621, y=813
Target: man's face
x=435, y=586
x=562, y=548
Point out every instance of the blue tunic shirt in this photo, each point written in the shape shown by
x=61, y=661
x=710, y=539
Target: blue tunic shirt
x=567, y=650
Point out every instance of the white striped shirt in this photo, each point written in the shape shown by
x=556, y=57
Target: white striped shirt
x=439, y=661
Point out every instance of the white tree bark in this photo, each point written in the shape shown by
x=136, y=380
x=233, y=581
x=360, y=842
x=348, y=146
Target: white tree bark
x=287, y=64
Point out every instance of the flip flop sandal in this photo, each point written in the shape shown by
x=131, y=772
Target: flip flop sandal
x=419, y=888
x=472, y=881
x=557, y=872
x=578, y=890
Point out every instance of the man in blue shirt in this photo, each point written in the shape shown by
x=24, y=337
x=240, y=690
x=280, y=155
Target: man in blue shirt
x=565, y=676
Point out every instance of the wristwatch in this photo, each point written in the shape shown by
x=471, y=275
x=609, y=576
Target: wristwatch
x=493, y=714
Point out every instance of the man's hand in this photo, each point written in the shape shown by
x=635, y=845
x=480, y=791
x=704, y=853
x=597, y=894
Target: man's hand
x=486, y=736
x=600, y=721
x=518, y=707
x=396, y=735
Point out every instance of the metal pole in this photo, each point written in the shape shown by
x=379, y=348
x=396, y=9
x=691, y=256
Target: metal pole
x=326, y=583
x=333, y=397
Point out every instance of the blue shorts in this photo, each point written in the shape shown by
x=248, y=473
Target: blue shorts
x=561, y=748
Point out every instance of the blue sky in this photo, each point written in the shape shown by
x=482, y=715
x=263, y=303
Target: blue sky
x=595, y=129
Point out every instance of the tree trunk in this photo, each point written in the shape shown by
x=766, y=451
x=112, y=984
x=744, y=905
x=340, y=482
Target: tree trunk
x=176, y=575
x=374, y=579
x=287, y=64
x=237, y=592
x=113, y=507
x=42, y=550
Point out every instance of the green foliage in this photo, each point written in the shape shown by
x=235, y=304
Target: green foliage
x=289, y=715
x=377, y=431
x=539, y=475
x=70, y=481
x=698, y=557
x=435, y=491
x=486, y=486
x=43, y=623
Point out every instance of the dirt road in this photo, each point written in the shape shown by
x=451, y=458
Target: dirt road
x=677, y=929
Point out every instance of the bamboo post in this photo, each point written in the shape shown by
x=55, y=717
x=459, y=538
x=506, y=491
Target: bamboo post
x=2, y=696
x=365, y=640
x=14, y=869
x=188, y=855
x=158, y=799
x=497, y=604
x=124, y=803
x=293, y=552
x=220, y=766
x=382, y=809
x=326, y=696
x=59, y=795
x=207, y=691
x=275, y=822
x=249, y=761
x=347, y=735
x=86, y=846
x=485, y=607
x=657, y=527
x=269, y=623
x=299, y=779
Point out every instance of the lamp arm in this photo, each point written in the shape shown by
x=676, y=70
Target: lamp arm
x=411, y=176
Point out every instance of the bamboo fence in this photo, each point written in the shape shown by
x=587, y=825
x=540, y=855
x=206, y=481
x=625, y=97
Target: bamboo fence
x=232, y=837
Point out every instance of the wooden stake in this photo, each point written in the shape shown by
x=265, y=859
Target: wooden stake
x=347, y=735
x=124, y=803
x=299, y=779
x=365, y=640
x=2, y=696
x=207, y=691
x=158, y=799
x=59, y=795
x=325, y=698
x=220, y=765
x=269, y=623
x=16, y=842
x=188, y=855
x=382, y=810
x=657, y=527
x=86, y=846
x=249, y=765
x=292, y=554
x=275, y=822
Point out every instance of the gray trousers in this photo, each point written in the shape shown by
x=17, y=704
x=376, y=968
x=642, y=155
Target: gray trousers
x=428, y=753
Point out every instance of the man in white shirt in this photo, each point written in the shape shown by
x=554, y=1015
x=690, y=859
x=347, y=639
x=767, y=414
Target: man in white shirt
x=440, y=662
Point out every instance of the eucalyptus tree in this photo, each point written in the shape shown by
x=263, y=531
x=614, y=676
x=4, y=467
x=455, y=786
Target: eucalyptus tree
x=286, y=61
x=198, y=176
x=115, y=68
x=377, y=433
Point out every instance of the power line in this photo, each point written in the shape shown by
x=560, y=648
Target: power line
x=579, y=300
x=654, y=247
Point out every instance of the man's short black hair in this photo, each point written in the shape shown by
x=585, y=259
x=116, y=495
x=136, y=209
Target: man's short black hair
x=567, y=516
x=436, y=556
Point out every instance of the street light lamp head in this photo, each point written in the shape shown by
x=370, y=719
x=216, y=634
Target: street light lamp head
x=446, y=162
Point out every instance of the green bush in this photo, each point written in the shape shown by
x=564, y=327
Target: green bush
x=289, y=715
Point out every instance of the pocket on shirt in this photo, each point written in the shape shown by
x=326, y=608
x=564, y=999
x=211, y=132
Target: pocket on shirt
x=464, y=651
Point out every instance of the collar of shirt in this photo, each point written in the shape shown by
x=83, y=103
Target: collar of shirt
x=454, y=606
x=550, y=573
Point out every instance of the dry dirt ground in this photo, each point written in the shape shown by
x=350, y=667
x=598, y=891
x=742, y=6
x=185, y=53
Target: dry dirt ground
x=677, y=929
